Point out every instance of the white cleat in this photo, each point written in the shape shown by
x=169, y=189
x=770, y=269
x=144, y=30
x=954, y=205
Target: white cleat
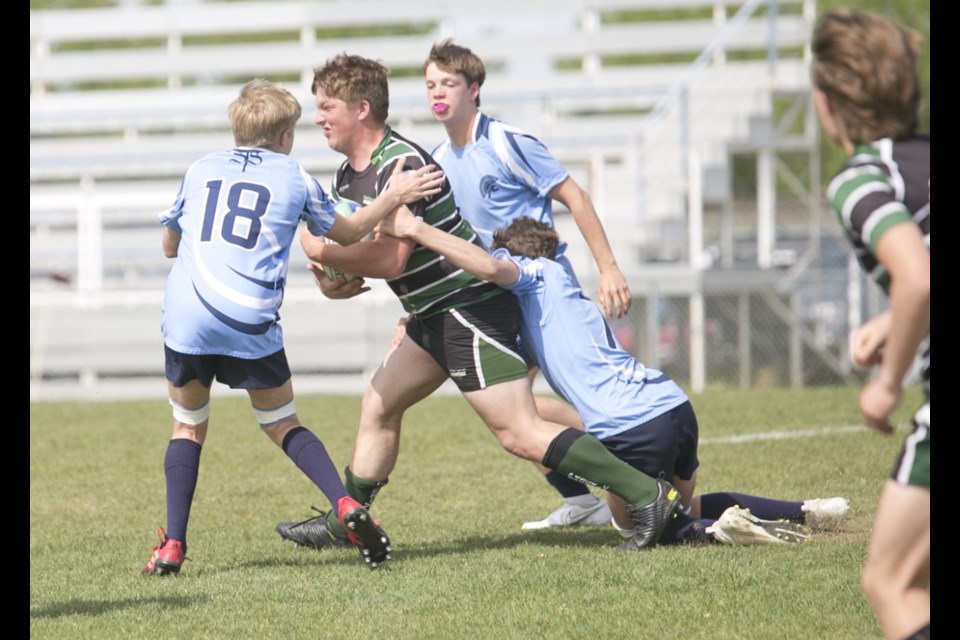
x=571, y=515
x=825, y=513
x=739, y=527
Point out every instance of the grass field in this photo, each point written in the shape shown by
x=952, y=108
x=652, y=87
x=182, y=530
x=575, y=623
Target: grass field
x=462, y=568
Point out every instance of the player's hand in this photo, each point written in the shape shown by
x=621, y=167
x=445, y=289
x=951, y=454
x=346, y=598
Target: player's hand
x=401, y=223
x=613, y=294
x=399, y=332
x=336, y=288
x=410, y=186
x=877, y=402
x=867, y=342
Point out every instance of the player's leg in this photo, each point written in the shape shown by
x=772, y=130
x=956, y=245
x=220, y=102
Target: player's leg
x=188, y=386
x=580, y=506
x=896, y=574
x=508, y=410
x=407, y=375
x=662, y=447
x=269, y=385
x=479, y=344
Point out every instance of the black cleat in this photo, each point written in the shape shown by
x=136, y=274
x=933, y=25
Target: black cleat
x=313, y=532
x=652, y=519
x=363, y=532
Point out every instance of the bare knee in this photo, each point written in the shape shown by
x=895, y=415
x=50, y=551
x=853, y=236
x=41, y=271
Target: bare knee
x=279, y=430
x=876, y=587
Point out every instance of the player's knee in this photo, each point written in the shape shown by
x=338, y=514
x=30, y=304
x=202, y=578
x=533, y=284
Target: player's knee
x=269, y=418
x=873, y=584
x=190, y=417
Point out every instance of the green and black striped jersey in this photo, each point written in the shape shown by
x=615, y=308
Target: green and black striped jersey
x=882, y=184
x=429, y=284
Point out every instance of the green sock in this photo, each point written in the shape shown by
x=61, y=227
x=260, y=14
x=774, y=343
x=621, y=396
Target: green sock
x=580, y=455
x=363, y=491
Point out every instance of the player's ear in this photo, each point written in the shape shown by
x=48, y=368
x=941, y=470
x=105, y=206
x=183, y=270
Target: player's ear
x=363, y=109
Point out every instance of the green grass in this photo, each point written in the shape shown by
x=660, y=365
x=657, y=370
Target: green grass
x=462, y=568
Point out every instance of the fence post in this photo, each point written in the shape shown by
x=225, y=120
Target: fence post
x=89, y=240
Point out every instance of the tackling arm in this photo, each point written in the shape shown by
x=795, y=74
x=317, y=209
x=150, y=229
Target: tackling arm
x=403, y=188
x=461, y=253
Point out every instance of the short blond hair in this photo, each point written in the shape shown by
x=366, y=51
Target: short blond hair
x=261, y=112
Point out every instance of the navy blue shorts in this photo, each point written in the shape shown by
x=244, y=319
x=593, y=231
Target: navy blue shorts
x=263, y=373
x=663, y=447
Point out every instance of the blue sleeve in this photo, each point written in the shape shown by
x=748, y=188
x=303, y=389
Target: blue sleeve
x=318, y=210
x=529, y=277
x=527, y=158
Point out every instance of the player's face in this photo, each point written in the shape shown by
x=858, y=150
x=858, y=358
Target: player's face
x=337, y=119
x=448, y=95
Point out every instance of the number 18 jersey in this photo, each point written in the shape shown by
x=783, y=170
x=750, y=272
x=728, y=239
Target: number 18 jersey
x=237, y=212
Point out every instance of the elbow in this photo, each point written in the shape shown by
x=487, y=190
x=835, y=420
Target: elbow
x=489, y=273
x=393, y=269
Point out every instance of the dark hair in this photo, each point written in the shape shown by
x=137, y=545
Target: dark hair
x=453, y=58
x=865, y=64
x=353, y=79
x=528, y=237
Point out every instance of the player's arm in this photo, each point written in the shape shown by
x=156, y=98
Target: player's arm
x=403, y=187
x=171, y=242
x=336, y=288
x=467, y=256
x=613, y=292
x=903, y=253
x=382, y=257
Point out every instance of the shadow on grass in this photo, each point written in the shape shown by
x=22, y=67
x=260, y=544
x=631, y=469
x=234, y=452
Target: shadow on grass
x=602, y=538
x=100, y=607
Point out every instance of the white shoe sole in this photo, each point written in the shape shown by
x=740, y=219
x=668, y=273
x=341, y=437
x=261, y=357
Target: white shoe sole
x=739, y=527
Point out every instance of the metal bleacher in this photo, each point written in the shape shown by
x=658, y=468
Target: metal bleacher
x=632, y=95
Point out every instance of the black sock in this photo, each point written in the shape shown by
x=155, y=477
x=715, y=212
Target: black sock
x=686, y=529
x=311, y=457
x=181, y=466
x=712, y=505
x=923, y=633
x=566, y=487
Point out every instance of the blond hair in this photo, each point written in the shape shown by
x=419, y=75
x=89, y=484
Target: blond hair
x=261, y=112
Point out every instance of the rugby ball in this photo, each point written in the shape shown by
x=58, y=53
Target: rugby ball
x=346, y=209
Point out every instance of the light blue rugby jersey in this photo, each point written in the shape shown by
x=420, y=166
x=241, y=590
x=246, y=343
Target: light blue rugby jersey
x=502, y=174
x=567, y=336
x=238, y=213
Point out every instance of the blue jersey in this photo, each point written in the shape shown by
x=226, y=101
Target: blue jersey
x=237, y=212
x=569, y=339
x=502, y=174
